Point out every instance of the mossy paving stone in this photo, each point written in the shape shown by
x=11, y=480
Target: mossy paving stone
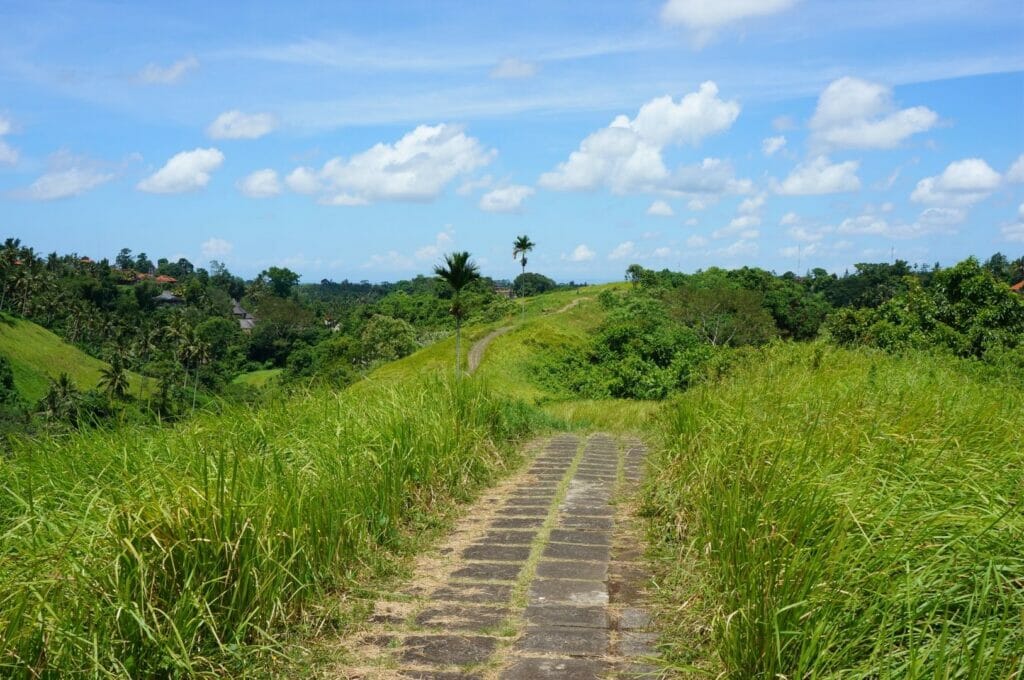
x=447, y=650
x=582, y=537
x=542, y=501
x=517, y=522
x=583, y=522
x=563, y=669
x=573, y=551
x=496, y=593
x=463, y=617
x=525, y=511
x=489, y=571
x=492, y=552
x=564, y=640
x=633, y=619
x=587, y=571
x=509, y=537
x=438, y=675
x=571, y=591
x=568, y=615
x=633, y=644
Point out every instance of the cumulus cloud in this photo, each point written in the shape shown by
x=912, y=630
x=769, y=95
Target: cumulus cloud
x=660, y=209
x=581, y=253
x=442, y=241
x=507, y=199
x=622, y=251
x=626, y=155
x=237, y=125
x=216, y=247
x=260, y=184
x=772, y=145
x=821, y=176
x=662, y=253
x=8, y=155
x=185, y=171
x=417, y=167
x=696, y=241
x=394, y=260
x=857, y=114
x=154, y=74
x=876, y=225
x=963, y=183
x=303, y=181
x=1016, y=172
x=704, y=18
x=1014, y=232
x=67, y=175
x=514, y=68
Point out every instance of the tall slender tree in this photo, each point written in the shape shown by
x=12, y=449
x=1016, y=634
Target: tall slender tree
x=520, y=247
x=458, y=272
x=114, y=378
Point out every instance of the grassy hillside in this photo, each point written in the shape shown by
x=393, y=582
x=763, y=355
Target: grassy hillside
x=183, y=551
x=37, y=355
x=834, y=513
x=258, y=378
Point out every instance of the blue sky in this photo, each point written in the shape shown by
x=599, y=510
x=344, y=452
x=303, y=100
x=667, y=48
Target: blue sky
x=363, y=140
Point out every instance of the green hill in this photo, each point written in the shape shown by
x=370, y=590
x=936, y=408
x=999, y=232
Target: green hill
x=37, y=355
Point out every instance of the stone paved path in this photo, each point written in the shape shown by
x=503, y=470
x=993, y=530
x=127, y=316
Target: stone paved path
x=547, y=584
x=476, y=352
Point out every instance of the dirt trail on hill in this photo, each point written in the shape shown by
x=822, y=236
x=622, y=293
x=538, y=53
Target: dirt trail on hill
x=476, y=353
x=541, y=578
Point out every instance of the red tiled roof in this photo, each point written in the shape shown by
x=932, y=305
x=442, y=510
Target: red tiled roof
x=163, y=278
x=1019, y=286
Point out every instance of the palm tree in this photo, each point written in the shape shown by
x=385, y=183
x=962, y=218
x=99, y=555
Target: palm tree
x=114, y=378
x=520, y=247
x=458, y=272
x=61, y=400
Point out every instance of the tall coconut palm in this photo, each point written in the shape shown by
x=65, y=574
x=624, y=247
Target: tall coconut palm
x=520, y=247
x=114, y=378
x=458, y=272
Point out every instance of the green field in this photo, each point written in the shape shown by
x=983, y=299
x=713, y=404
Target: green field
x=258, y=378
x=834, y=513
x=37, y=356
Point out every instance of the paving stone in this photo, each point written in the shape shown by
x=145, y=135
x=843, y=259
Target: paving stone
x=634, y=619
x=582, y=522
x=563, y=669
x=541, y=501
x=437, y=675
x=571, y=551
x=517, y=522
x=446, y=650
x=587, y=571
x=462, y=617
x=603, y=510
x=634, y=644
x=525, y=511
x=497, y=593
x=575, y=616
x=581, y=537
x=569, y=591
x=569, y=641
x=627, y=553
x=625, y=591
x=508, y=537
x=637, y=671
x=489, y=571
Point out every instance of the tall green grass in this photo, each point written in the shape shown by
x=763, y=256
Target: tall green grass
x=154, y=552
x=845, y=514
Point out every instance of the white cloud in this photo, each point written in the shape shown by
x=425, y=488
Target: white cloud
x=8, y=155
x=390, y=261
x=155, y=74
x=706, y=181
x=742, y=248
x=857, y=114
x=808, y=234
x=963, y=183
x=696, y=241
x=662, y=252
x=820, y=176
x=580, y=253
x=303, y=181
x=474, y=184
x=1014, y=232
x=514, y=68
x=752, y=205
x=443, y=241
x=703, y=17
x=789, y=219
x=691, y=222
x=744, y=225
x=942, y=217
x=417, y=167
x=772, y=145
x=626, y=155
x=875, y=225
x=622, y=251
x=185, y=171
x=66, y=182
x=1016, y=172
x=260, y=184
x=216, y=247
x=238, y=125
x=507, y=199
x=660, y=209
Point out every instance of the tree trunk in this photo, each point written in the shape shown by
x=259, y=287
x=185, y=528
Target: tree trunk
x=458, y=344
